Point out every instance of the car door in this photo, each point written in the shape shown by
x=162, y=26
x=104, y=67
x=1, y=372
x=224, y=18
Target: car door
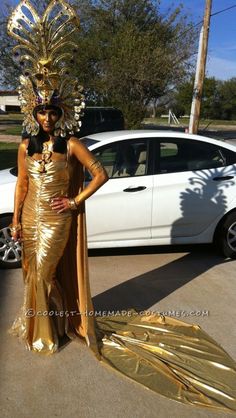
x=121, y=208
x=192, y=186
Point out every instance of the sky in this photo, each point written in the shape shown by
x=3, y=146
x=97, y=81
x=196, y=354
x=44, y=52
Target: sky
x=221, y=62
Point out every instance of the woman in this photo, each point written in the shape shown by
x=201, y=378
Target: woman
x=43, y=205
x=169, y=356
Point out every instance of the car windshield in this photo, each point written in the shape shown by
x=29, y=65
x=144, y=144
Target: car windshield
x=88, y=141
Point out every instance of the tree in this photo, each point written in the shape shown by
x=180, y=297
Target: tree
x=183, y=97
x=211, y=100
x=9, y=69
x=218, y=98
x=129, y=53
x=211, y=103
x=227, y=92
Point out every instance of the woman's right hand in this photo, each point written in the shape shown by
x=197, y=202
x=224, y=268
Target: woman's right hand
x=17, y=234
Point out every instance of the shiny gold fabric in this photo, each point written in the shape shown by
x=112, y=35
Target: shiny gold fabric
x=55, y=271
x=170, y=357
x=166, y=355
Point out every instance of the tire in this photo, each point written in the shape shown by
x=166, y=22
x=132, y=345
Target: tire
x=10, y=251
x=226, y=237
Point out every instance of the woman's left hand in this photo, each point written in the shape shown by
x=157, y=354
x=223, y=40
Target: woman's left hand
x=60, y=204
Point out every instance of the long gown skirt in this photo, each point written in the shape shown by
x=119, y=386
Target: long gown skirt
x=166, y=355
x=41, y=320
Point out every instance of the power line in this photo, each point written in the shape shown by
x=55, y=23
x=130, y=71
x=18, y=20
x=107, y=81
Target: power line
x=201, y=21
x=223, y=10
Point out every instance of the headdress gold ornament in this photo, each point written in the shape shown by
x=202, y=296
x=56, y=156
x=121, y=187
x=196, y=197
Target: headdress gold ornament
x=45, y=52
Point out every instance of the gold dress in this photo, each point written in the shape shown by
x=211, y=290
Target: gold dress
x=170, y=357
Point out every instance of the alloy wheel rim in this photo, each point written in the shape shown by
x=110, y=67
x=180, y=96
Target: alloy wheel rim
x=10, y=250
x=231, y=236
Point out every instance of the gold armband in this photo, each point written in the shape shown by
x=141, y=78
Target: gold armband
x=95, y=165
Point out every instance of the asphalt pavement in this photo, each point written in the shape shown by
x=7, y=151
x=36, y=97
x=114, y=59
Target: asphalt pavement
x=190, y=283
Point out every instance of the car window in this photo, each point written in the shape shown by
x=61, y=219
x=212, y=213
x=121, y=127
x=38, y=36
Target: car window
x=88, y=141
x=124, y=158
x=107, y=155
x=168, y=149
x=111, y=114
x=187, y=155
x=88, y=118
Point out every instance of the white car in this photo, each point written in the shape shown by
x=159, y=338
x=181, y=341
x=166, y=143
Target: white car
x=164, y=188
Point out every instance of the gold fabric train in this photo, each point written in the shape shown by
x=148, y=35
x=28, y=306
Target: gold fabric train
x=170, y=357
x=166, y=355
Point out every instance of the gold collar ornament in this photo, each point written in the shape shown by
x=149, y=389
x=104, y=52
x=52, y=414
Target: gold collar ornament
x=46, y=156
x=45, y=52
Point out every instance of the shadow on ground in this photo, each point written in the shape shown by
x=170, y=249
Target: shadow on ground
x=143, y=291
x=147, y=289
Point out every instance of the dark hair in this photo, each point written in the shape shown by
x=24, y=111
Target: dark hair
x=47, y=107
x=36, y=142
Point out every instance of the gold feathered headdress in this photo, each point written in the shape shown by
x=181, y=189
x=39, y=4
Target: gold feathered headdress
x=45, y=53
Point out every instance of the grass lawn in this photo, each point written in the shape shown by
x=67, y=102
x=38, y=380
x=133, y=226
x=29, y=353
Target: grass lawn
x=11, y=130
x=8, y=154
x=11, y=116
x=7, y=125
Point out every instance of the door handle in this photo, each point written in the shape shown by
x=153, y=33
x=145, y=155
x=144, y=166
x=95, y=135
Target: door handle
x=223, y=178
x=134, y=189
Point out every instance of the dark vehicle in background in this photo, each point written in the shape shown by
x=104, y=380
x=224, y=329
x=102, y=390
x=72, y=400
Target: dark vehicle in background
x=101, y=119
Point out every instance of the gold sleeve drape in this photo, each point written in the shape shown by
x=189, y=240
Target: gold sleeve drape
x=72, y=270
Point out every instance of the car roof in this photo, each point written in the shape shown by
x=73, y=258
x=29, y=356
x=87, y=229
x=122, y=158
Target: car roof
x=106, y=137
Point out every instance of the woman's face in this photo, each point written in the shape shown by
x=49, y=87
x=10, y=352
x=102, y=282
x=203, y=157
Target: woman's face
x=47, y=119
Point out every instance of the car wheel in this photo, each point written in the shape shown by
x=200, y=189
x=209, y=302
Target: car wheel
x=10, y=251
x=226, y=237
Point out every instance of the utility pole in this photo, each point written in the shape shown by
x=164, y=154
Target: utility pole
x=200, y=71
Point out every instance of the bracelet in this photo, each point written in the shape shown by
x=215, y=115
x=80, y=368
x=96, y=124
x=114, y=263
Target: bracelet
x=15, y=228
x=72, y=204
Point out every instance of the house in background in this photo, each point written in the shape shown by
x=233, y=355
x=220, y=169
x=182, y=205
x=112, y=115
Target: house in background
x=9, y=101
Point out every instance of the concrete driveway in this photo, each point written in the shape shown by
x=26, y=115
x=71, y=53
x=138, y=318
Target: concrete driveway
x=192, y=283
